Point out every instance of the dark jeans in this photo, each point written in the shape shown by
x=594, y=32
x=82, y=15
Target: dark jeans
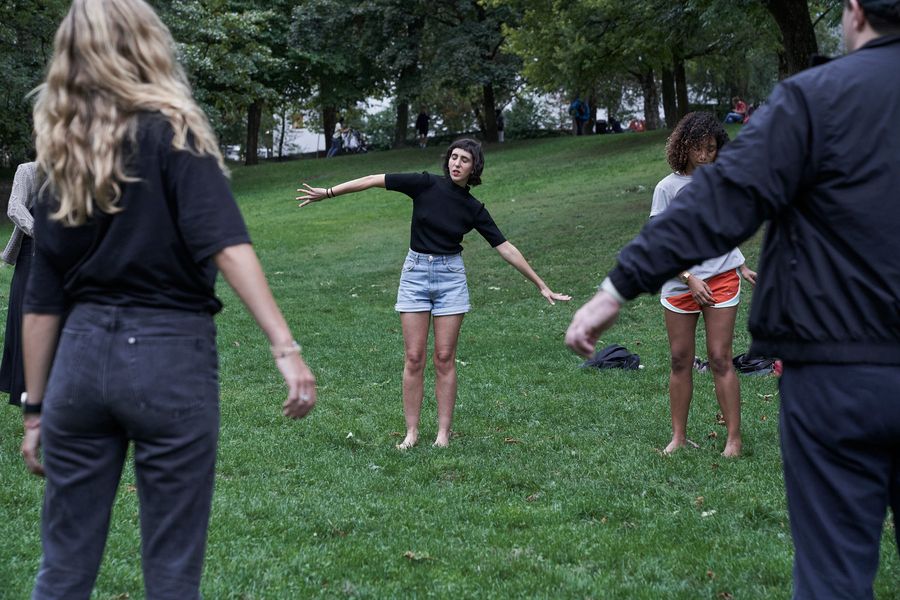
x=121, y=375
x=840, y=442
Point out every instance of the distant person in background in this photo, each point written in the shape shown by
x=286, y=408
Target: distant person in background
x=422, y=127
x=738, y=111
x=337, y=139
x=18, y=252
x=500, y=125
x=579, y=112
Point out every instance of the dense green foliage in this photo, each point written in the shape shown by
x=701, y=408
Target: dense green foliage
x=553, y=486
x=252, y=60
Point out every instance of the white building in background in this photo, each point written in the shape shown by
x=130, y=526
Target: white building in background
x=297, y=138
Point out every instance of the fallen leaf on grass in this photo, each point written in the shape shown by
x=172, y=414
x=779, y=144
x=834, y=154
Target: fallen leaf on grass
x=131, y=488
x=416, y=556
x=764, y=418
x=511, y=440
x=349, y=435
x=698, y=501
x=533, y=497
x=725, y=596
x=710, y=574
x=765, y=397
x=720, y=419
x=494, y=287
x=707, y=513
x=712, y=435
x=237, y=344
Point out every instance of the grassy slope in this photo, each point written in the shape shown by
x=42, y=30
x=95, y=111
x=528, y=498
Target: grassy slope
x=553, y=486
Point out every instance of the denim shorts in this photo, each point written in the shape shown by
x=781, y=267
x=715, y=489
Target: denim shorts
x=434, y=283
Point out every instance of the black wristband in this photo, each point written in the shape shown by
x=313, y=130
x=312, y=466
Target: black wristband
x=29, y=409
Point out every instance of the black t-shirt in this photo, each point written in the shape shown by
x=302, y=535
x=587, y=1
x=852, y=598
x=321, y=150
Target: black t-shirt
x=443, y=213
x=157, y=251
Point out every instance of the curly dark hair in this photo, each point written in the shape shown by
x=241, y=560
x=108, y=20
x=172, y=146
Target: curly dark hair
x=473, y=148
x=690, y=132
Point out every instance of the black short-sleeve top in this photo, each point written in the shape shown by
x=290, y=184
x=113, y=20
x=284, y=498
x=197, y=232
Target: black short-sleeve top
x=157, y=251
x=443, y=213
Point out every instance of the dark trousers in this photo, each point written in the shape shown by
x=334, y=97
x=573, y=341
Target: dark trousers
x=840, y=443
x=141, y=375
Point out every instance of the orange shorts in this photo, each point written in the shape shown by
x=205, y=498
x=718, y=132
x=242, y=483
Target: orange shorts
x=726, y=291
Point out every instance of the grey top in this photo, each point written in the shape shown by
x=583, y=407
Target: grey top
x=24, y=190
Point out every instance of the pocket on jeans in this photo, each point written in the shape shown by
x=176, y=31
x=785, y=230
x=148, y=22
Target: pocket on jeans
x=175, y=375
x=456, y=265
x=74, y=370
x=408, y=265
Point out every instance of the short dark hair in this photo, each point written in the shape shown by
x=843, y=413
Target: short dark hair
x=882, y=15
x=690, y=132
x=473, y=148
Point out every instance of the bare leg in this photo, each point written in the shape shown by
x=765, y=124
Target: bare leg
x=415, y=336
x=681, y=329
x=719, y=337
x=446, y=336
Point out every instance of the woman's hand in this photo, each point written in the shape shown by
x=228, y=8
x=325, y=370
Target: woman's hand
x=700, y=291
x=301, y=386
x=748, y=274
x=311, y=194
x=31, y=444
x=550, y=295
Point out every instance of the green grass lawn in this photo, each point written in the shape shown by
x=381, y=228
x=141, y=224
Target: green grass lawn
x=553, y=486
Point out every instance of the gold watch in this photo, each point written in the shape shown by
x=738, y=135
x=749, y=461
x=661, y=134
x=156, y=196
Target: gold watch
x=684, y=276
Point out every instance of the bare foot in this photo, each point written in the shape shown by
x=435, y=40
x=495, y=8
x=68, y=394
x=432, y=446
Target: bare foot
x=442, y=440
x=732, y=449
x=409, y=441
x=677, y=443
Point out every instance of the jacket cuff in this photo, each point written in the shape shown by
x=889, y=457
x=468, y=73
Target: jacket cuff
x=625, y=288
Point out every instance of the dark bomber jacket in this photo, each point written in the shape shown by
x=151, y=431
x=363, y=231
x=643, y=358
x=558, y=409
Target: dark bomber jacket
x=821, y=162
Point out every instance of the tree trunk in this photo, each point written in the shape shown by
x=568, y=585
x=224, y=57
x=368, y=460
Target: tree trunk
x=401, y=125
x=254, y=118
x=670, y=104
x=590, y=125
x=797, y=33
x=651, y=100
x=284, y=119
x=329, y=120
x=681, y=90
x=489, y=106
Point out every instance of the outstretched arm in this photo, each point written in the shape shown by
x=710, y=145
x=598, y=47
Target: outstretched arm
x=310, y=194
x=512, y=255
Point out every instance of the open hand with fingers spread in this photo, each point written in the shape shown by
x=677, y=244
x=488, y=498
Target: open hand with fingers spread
x=550, y=295
x=310, y=194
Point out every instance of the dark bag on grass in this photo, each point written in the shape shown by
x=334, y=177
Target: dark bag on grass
x=613, y=356
x=753, y=365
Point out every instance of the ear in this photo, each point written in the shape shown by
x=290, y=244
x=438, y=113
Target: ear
x=857, y=15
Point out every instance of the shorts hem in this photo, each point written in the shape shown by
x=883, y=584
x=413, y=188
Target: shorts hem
x=726, y=304
x=453, y=310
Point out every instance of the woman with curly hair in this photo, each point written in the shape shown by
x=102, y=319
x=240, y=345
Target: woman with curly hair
x=131, y=228
x=712, y=288
x=433, y=290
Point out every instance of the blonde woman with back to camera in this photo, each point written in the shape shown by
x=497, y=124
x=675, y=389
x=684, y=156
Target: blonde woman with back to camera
x=135, y=222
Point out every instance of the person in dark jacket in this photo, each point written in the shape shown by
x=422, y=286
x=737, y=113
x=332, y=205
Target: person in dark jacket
x=828, y=294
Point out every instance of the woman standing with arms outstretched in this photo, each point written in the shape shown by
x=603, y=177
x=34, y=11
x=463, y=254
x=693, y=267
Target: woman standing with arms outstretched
x=135, y=222
x=712, y=288
x=433, y=289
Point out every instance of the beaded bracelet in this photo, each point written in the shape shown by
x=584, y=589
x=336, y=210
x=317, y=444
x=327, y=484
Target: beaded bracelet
x=279, y=353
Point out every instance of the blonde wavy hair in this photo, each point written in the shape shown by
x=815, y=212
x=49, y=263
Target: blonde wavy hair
x=112, y=59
